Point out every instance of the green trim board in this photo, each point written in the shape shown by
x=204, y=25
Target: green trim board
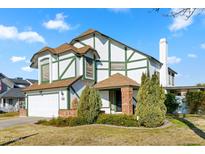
x=109, y=38
x=131, y=55
x=109, y=57
x=137, y=68
x=68, y=98
x=78, y=41
x=63, y=59
x=131, y=61
x=71, y=62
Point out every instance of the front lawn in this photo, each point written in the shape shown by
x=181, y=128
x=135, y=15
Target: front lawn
x=179, y=133
x=8, y=115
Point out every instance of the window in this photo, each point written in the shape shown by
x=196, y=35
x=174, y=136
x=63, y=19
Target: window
x=45, y=73
x=4, y=102
x=117, y=65
x=89, y=68
x=10, y=101
x=172, y=79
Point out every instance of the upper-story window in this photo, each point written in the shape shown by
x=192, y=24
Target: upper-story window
x=45, y=70
x=89, y=67
x=117, y=65
x=173, y=79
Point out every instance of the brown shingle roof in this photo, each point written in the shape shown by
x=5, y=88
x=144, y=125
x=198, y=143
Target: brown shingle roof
x=89, y=31
x=53, y=85
x=67, y=47
x=116, y=81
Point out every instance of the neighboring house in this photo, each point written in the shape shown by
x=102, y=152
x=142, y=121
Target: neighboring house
x=97, y=60
x=11, y=95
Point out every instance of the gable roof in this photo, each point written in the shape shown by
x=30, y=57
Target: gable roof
x=20, y=81
x=13, y=93
x=65, y=48
x=116, y=81
x=53, y=85
x=170, y=69
x=92, y=31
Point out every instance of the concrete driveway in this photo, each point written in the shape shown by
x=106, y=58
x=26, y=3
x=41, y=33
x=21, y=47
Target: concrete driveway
x=18, y=121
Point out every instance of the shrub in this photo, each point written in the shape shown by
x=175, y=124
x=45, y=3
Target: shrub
x=117, y=119
x=89, y=105
x=62, y=122
x=196, y=101
x=150, y=109
x=171, y=103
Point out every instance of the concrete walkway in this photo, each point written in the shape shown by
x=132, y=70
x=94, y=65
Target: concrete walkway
x=18, y=121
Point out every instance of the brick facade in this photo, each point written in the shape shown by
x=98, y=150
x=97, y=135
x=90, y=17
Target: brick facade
x=23, y=112
x=67, y=113
x=126, y=94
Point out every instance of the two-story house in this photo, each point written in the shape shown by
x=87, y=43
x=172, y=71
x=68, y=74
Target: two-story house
x=11, y=95
x=94, y=59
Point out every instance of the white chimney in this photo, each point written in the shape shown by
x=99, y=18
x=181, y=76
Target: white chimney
x=163, y=54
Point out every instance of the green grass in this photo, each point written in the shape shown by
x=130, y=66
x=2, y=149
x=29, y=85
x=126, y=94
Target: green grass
x=176, y=134
x=9, y=114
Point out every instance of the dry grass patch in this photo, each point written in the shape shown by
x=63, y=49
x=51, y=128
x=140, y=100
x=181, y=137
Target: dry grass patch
x=8, y=115
x=101, y=135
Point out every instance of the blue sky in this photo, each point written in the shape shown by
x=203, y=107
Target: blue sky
x=24, y=31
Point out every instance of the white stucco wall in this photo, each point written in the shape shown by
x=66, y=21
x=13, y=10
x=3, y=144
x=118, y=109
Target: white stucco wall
x=63, y=102
x=135, y=56
x=89, y=41
x=153, y=67
x=102, y=74
x=137, y=64
x=136, y=74
x=101, y=45
x=117, y=51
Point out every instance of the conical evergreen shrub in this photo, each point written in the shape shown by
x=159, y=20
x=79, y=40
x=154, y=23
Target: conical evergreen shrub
x=89, y=105
x=150, y=109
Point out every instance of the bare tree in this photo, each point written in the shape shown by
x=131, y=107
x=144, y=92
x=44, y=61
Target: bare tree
x=185, y=12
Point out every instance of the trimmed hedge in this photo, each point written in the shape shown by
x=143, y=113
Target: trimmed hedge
x=196, y=102
x=117, y=119
x=62, y=122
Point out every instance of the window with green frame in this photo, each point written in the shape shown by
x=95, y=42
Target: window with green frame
x=89, y=68
x=45, y=72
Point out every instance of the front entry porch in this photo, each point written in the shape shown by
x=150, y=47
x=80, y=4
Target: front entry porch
x=118, y=94
x=122, y=100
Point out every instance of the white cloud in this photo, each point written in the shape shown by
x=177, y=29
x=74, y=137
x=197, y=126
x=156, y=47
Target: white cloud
x=174, y=60
x=7, y=32
x=11, y=32
x=203, y=45
x=30, y=37
x=27, y=69
x=181, y=22
x=58, y=23
x=17, y=59
x=190, y=55
x=120, y=10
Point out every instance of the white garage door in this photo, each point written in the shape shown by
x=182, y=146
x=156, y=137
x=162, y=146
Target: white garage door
x=43, y=105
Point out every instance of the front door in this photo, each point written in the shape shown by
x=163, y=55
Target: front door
x=118, y=101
